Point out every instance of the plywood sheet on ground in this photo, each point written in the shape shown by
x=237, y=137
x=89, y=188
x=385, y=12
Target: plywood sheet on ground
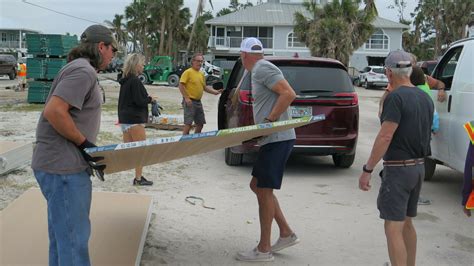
x=125, y=156
x=14, y=154
x=119, y=226
x=165, y=126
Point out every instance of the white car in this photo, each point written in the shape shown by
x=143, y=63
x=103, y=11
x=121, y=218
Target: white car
x=211, y=72
x=373, y=76
x=456, y=69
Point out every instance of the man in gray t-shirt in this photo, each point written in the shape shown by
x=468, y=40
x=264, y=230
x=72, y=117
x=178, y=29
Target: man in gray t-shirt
x=272, y=98
x=68, y=124
x=265, y=76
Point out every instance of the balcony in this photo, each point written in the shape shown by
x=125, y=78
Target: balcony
x=225, y=43
x=12, y=44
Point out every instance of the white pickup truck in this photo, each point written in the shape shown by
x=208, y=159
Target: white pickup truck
x=456, y=70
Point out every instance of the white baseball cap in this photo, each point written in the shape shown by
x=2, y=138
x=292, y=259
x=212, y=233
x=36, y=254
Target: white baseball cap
x=251, y=45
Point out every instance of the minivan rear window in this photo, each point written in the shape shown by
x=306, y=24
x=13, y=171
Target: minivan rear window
x=307, y=79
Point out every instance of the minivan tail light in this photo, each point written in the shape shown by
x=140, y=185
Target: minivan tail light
x=246, y=97
x=353, y=99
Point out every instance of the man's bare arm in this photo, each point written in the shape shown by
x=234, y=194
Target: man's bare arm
x=182, y=89
x=56, y=112
x=285, y=98
x=381, y=143
x=185, y=95
x=210, y=90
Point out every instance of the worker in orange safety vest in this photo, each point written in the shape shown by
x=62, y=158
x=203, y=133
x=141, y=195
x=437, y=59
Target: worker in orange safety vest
x=22, y=76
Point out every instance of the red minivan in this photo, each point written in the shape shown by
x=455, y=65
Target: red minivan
x=322, y=86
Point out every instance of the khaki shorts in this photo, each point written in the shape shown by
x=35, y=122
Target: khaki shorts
x=194, y=113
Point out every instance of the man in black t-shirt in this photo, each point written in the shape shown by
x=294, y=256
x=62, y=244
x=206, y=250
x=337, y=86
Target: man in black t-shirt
x=403, y=141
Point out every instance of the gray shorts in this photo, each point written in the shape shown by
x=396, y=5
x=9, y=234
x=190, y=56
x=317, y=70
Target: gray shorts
x=399, y=192
x=194, y=113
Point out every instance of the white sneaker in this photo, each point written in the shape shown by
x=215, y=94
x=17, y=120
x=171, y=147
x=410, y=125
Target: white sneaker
x=284, y=242
x=255, y=255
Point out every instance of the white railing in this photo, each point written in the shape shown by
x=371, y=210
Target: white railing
x=234, y=42
x=12, y=44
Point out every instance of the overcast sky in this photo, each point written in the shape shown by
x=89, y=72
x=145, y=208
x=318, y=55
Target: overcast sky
x=17, y=14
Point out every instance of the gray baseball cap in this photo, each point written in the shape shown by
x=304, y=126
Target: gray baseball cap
x=98, y=33
x=398, y=59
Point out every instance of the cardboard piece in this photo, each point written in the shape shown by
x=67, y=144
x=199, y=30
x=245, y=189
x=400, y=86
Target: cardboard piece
x=165, y=126
x=125, y=156
x=119, y=227
x=14, y=154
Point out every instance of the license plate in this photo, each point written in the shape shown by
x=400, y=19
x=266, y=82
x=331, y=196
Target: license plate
x=299, y=111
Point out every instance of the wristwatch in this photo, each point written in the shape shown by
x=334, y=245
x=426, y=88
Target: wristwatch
x=364, y=168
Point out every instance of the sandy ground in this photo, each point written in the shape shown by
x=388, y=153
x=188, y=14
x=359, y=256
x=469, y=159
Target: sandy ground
x=338, y=224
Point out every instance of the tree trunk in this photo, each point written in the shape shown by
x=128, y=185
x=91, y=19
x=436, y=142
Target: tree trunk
x=438, y=35
x=170, y=42
x=162, y=36
x=193, y=30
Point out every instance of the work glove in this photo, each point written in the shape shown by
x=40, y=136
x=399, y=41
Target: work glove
x=155, y=108
x=97, y=169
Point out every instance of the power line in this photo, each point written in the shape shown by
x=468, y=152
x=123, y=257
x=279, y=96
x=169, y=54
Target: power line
x=64, y=14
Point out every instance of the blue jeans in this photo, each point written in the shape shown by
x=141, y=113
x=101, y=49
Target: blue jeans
x=69, y=203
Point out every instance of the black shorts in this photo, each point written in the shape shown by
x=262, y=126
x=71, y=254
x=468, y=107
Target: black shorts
x=271, y=162
x=399, y=191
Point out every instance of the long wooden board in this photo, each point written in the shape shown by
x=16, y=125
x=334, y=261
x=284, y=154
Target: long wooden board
x=119, y=227
x=125, y=156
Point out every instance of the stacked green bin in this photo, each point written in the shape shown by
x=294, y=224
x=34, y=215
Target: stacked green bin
x=38, y=91
x=49, y=56
x=50, y=44
x=44, y=68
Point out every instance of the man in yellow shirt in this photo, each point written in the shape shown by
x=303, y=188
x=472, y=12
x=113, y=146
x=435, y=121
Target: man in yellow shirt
x=192, y=84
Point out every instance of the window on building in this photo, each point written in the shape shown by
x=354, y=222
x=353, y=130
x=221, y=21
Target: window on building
x=293, y=41
x=4, y=36
x=378, y=40
x=234, y=33
x=250, y=31
x=265, y=35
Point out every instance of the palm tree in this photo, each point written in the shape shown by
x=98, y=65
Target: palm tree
x=118, y=28
x=337, y=29
x=234, y=6
x=136, y=19
x=202, y=33
x=455, y=15
x=177, y=25
x=199, y=10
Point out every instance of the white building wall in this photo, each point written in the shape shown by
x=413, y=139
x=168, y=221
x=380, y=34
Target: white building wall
x=358, y=59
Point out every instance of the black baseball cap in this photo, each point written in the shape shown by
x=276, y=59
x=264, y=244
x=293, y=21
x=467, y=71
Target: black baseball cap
x=99, y=33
